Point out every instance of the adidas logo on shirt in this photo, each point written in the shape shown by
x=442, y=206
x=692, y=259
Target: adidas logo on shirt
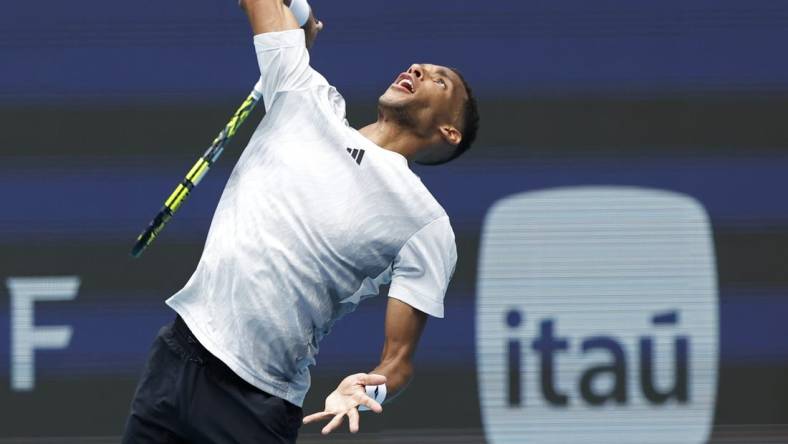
x=356, y=154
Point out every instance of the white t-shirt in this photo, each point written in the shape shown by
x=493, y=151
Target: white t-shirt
x=314, y=218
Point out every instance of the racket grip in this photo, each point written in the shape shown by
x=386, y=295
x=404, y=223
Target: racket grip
x=150, y=233
x=257, y=92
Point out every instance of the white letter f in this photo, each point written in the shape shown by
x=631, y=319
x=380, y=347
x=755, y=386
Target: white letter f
x=25, y=336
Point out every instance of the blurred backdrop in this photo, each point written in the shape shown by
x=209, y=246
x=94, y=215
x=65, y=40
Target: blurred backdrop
x=104, y=106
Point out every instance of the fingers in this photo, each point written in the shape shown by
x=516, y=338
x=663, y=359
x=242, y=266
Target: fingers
x=317, y=417
x=370, y=403
x=372, y=379
x=333, y=424
x=352, y=415
x=312, y=28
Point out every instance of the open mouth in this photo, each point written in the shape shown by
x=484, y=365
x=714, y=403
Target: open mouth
x=405, y=81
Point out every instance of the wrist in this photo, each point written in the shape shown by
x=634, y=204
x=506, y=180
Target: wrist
x=300, y=10
x=376, y=392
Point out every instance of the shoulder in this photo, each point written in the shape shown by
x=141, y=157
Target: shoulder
x=268, y=41
x=440, y=229
x=422, y=197
x=318, y=104
x=285, y=71
x=431, y=218
x=405, y=191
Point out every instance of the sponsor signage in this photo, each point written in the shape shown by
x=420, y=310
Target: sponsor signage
x=597, y=318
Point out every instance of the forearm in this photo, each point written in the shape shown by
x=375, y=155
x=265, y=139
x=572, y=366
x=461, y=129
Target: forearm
x=404, y=325
x=398, y=373
x=268, y=15
x=282, y=15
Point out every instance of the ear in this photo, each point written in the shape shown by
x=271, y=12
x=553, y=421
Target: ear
x=451, y=135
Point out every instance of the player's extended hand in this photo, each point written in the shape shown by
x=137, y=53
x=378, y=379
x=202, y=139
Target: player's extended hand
x=312, y=28
x=349, y=394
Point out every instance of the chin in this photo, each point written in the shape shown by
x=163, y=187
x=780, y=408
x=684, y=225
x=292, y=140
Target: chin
x=401, y=108
x=391, y=99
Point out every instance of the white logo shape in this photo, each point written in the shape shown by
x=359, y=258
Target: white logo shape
x=597, y=318
x=26, y=338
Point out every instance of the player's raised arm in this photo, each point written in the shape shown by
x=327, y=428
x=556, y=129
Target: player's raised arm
x=278, y=15
x=281, y=47
x=268, y=15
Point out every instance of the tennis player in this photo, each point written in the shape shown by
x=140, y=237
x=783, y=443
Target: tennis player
x=315, y=217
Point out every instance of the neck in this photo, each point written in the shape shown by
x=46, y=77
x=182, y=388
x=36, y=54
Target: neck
x=391, y=135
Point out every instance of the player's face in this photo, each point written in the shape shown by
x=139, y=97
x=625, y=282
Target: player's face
x=431, y=95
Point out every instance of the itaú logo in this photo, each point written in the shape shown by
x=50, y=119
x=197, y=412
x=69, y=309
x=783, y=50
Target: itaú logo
x=597, y=318
x=603, y=381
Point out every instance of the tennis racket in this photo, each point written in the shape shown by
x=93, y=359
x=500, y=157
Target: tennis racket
x=196, y=173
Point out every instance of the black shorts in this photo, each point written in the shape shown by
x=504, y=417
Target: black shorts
x=186, y=395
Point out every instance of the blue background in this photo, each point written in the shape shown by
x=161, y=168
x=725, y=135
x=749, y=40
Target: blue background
x=180, y=50
x=105, y=105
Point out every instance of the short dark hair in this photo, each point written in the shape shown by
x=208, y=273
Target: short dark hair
x=470, y=120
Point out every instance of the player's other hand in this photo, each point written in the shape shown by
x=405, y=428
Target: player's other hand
x=344, y=401
x=312, y=28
